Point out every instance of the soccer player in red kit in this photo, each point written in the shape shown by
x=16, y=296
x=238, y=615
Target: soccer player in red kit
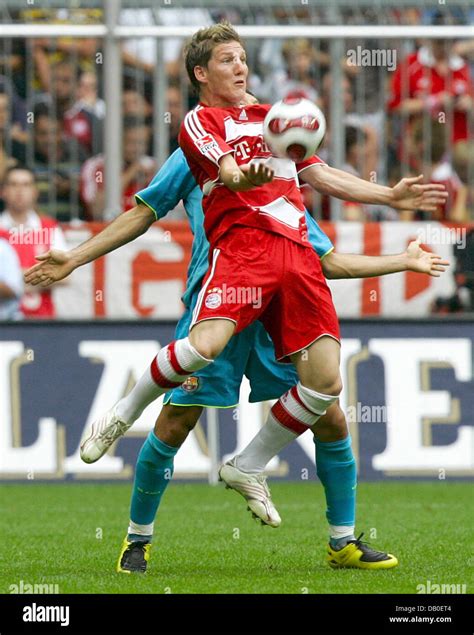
x=263, y=267
x=262, y=264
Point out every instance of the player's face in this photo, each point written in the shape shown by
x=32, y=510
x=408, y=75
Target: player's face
x=225, y=77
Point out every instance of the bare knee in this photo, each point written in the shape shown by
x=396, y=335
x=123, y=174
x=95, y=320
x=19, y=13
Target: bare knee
x=332, y=426
x=205, y=345
x=210, y=337
x=334, y=386
x=176, y=422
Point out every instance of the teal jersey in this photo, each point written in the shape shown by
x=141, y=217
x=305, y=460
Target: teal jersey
x=173, y=183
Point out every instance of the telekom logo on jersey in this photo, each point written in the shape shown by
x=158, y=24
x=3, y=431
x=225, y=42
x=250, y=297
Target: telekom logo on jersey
x=243, y=151
x=410, y=401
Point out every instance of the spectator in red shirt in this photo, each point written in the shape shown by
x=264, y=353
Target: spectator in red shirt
x=435, y=81
x=83, y=121
x=432, y=160
x=138, y=170
x=78, y=121
x=29, y=234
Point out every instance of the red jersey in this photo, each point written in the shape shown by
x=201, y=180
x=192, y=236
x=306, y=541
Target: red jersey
x=78, y=125
x=38, y=235
x=417, y=78
x=207, y=134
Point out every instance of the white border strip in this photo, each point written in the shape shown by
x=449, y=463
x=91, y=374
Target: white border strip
x=245, y=31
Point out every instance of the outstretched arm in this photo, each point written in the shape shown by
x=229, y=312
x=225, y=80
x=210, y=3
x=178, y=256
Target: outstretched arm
x=357, y=266
x=409, y=193
x=56, y=265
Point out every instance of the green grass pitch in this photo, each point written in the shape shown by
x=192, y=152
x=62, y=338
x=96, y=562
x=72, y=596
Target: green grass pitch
x=206, y=542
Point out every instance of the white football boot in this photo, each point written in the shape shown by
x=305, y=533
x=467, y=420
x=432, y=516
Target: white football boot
x=100, y=435
x=254, y=488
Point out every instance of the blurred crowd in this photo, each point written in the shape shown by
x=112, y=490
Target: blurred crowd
x=400, y=119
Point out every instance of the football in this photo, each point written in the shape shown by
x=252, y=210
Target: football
x=294, y=129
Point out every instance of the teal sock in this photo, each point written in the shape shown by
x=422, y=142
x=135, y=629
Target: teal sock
x=336, y=468
x=153, y=472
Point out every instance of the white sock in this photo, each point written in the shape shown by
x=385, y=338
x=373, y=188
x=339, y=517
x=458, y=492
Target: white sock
x=293, y=414
x=169, y=369
x=270, y=440
x=140, y=530
x=337, y=532
x=339, y=535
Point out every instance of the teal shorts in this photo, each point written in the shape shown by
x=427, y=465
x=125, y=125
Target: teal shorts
x=250, y=353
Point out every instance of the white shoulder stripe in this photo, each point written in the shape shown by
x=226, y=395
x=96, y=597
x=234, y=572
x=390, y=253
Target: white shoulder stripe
x=189, y=125
x=193, y=125
x=198, y=124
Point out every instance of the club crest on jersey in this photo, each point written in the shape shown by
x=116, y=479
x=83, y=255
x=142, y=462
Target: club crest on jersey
x=206, y=144
x=191, y=384
x=214, y=298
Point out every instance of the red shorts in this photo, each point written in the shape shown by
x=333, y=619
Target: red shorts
x=255, y=274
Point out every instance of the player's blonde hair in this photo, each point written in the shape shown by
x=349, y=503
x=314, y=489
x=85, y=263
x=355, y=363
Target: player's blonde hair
x=198, y=50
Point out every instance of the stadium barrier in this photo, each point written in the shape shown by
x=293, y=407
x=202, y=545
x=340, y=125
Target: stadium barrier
x=146, y=278
x=408, y=398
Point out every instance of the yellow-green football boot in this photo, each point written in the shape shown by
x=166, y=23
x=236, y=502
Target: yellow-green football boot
x=134, y=556
x=358, y=555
